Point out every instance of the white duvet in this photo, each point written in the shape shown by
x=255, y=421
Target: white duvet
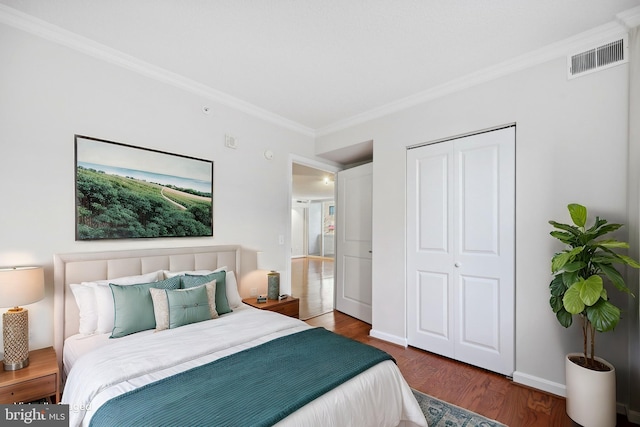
x=378, y=397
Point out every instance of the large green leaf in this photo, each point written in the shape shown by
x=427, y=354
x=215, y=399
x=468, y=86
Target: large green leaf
x=611, y=243
x=604, y=258
x=619, y=258
x=574, y=266
x=603, y=315
x=629, y=261
x=564, y=317
x=605, y=229
x=590, y=289
x=557, y=286
x=578, y=214
x=615, y=277
x=556, y=303
x=599, y=223
x=572, y=301
x=564, y=237
x=559, y=260
x=562, y=258
x=569, y=278
x=566, y=227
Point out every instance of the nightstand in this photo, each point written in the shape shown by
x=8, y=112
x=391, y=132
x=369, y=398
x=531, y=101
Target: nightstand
x=41, y=379
x=290, y=306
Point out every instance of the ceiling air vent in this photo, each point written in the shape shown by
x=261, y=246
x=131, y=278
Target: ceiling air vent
x=598, y=58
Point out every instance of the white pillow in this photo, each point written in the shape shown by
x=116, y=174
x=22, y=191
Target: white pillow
x=86, y=300
x=231, y=286
x=131, y=280
x=105, y=306
x=104, y=297
x=169, y=274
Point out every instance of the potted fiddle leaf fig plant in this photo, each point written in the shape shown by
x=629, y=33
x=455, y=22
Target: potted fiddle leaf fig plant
x=578, y=288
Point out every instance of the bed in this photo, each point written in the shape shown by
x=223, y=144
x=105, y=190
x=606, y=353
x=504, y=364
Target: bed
x=278, y=370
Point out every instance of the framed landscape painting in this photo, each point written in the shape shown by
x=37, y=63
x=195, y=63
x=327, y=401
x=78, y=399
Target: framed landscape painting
x=127, y=192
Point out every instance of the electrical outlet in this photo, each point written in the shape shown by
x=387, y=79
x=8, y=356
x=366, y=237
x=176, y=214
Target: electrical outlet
x=253, y=292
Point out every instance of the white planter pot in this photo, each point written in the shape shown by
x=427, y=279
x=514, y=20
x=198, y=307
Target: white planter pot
x=591, y=395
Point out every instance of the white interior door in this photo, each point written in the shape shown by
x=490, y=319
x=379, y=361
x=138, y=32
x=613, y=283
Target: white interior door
x=460, y=253
x=430, y=255
x=353, y=242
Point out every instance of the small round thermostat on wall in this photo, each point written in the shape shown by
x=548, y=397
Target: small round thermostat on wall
x=268, y=154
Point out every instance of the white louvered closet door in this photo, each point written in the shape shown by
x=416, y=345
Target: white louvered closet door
x=460, y=249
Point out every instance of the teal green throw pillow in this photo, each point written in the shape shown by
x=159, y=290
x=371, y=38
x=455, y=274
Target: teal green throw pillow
x=188, y=306
x=222, y=304
x=134, y=308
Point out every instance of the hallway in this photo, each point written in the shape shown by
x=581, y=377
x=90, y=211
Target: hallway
x=312, y=282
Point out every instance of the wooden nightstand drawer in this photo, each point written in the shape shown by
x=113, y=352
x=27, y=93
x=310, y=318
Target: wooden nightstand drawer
x=289, y=306
x=28, y=391
x=291, y=309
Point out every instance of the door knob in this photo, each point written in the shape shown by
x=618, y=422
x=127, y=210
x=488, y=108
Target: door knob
x=457, y=265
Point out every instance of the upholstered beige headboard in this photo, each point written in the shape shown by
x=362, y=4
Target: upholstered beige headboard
x=92, y=266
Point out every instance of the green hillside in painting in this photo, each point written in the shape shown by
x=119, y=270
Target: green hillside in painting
x=114, y=207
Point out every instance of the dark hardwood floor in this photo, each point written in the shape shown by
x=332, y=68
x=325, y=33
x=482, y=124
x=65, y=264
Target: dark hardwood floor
x=486, y=393
x=478, y=390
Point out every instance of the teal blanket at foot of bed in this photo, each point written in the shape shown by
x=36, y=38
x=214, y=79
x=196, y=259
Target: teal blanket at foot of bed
x=255, y=387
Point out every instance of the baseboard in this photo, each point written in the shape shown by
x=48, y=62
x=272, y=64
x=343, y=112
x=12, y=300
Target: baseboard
x=633, y=416
x=561, y=390
x=389, y=338
x=540, y=383
x=319, y=257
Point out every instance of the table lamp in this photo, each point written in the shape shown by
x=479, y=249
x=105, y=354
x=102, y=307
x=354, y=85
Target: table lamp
x=18, y=286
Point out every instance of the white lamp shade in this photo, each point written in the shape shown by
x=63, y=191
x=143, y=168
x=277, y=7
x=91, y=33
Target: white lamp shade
x=21, y=286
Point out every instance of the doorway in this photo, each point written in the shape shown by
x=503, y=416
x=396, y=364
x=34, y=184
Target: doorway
x=312, y=239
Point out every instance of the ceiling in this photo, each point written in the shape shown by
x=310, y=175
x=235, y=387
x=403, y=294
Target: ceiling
x=312, y=184
x=317, y=63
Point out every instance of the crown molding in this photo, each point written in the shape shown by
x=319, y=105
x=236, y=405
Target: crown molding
x=630, y=18
x=624, y=21
x=38, y=27
x=562, y=48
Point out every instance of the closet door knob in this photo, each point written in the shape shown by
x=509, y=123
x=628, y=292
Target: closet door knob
x=457, y=265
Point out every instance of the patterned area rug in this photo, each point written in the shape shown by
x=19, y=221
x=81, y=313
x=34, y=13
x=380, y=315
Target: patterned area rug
x=443, y=414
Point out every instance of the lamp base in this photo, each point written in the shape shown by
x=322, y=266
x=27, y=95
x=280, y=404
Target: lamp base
x=16, y=366
x=15, y=333
x=273, y=285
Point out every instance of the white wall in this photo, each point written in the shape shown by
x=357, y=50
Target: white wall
x=49, y=92
x=571, y=146
x=314, y=228
x=634, y=219
x=298, y=215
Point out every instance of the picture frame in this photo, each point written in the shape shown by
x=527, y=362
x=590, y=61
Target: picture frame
x=128, y=192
